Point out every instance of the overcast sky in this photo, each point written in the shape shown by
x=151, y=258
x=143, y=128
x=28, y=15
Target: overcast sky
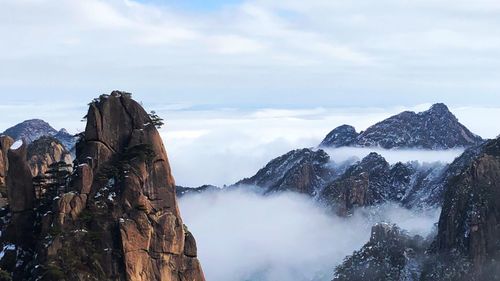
x=243, y=81
x=254, y=53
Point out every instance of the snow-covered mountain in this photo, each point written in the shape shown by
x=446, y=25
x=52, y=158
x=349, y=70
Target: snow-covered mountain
x=302, y=170
x=436, y=128
x=33, y=129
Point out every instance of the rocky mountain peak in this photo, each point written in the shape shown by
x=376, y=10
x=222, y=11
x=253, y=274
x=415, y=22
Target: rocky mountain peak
x=373, y=158
x=436, y=128
x=341, y=136
x=33, y=129
x=439, y=109
x=301, y=170
x=114, y=218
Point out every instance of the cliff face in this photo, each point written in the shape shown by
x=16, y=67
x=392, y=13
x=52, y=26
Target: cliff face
x=46, y=151
x=117, y=218
x=469, y=226
x=5, y=143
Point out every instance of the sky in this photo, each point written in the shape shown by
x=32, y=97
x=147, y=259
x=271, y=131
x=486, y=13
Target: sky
x=241, y=82
x=256, y=53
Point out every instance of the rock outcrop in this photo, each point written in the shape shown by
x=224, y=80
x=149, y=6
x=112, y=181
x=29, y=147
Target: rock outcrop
x=45, y=151
x=436, y=128
x=363, y=184
x=468, y=241
x=373, y=181
x=302, y=170
x=390, y=255
x=116, y=217
x=5, y=143
x=18, y=236
x=343, y=135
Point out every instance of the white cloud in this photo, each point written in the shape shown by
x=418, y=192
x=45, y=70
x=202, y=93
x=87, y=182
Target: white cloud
x=392, y=156
x=223, y=146
x=275, y=52
x=243, y=236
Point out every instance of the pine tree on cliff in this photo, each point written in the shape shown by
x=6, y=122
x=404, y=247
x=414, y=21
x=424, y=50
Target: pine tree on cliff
x=156, y=120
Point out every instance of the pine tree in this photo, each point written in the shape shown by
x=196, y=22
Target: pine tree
x=156, y=120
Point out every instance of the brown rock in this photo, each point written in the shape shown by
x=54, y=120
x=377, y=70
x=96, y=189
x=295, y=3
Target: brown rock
x=5, y=143
x=21, y=193
x=69, y=206
x=125, y=183
x=83, y=182
x=45, y=151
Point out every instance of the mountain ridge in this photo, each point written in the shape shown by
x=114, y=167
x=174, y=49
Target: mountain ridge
x=435, y=128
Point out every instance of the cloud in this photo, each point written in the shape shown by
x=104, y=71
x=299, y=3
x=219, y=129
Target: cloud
x=223, y=146
x=244, y=236
x=319, y=53
x=392, y=156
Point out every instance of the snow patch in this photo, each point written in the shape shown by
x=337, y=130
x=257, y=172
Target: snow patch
x=16, y=145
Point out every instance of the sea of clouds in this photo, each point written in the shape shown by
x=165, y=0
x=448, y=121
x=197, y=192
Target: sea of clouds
x=243, y=236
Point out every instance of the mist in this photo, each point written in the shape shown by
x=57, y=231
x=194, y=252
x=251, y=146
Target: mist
x=343, y=154
x=243, y=236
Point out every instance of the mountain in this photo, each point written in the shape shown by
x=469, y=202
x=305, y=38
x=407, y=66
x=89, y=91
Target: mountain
x=390, y=255
x=373, y=181
x=31, y=130
x=301, y=170
x=436, y=128
x=467, y=243
x=467, y=246
x=182, y=191
x=343, y=135
x=44, y=152
x=114, y=218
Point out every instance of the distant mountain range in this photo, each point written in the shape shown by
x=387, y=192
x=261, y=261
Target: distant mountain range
x=372, y=180
x=436, y=128
x=31, y=130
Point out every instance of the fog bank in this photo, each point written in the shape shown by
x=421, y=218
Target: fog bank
x=242, y=236
x=342, y=154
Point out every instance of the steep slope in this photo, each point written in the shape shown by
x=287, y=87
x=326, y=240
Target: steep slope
x=117, y=219
x=5, y=143
x=436, y=128
x=33, y=129
x=343, y=135
x=363, y=184
x=468, y=241
x=302, y=170
x=373, y=181
x=429, y=187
